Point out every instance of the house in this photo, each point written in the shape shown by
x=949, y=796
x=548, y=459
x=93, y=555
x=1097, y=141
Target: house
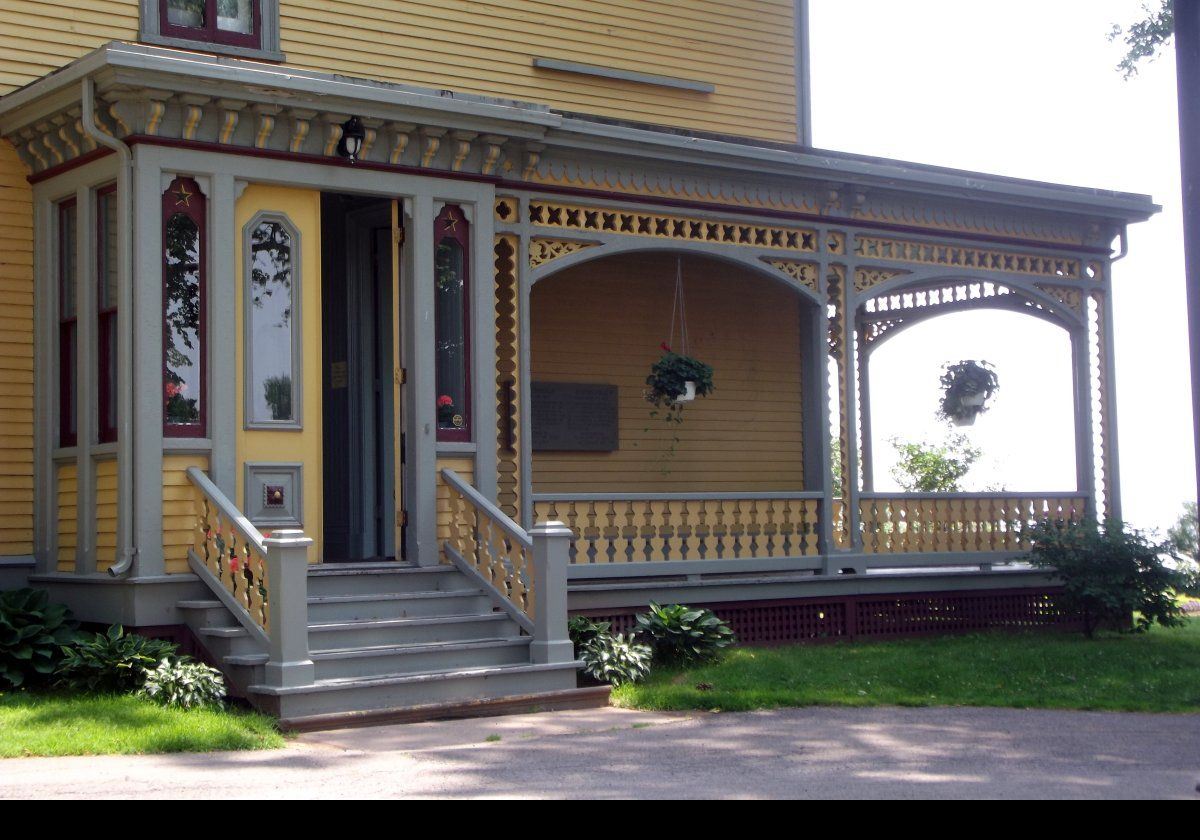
x=317, y=315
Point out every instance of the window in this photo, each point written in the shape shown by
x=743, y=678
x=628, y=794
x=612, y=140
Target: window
x=238, y=27
x=106, y=313
x=272, y=293
x=184, y=270
x=452, y=324
x=68, y=324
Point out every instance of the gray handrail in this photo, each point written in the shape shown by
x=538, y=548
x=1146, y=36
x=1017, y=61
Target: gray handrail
x=1037, y=494
x=502, y=519
x=754, y=496
x=229, y=512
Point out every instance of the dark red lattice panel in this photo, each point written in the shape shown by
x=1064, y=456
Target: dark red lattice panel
x=955, y=612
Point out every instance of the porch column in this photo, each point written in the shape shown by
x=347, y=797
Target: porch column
x=1108, y=388
x=420, y=392
x=222, y=334
x=1085, y=468
x=146, y=321
x=85, y=381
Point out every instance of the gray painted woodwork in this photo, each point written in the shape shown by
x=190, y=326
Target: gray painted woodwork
x=623, y=75
x=421, y=390
x=551, y=549
x=222, y=336
x=483, y=339
x=289, y=663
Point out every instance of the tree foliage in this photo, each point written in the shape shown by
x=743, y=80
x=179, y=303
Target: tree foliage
x=934, y=467
x=1144, y=38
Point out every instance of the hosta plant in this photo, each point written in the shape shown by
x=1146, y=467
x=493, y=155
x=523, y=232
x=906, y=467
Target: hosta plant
x=32, y=633
x=582, y=630
x=184, y=684
x=615, y=659
x=113, y=661
x=681, y=635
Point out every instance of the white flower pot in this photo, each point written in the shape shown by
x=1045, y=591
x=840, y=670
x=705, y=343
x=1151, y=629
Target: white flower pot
x=689, y=392
x=973, y=399
x=967, y=419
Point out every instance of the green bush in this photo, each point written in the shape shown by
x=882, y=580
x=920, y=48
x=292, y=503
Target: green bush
x=680, y=635
x=184, y=684
x=112, y=661
x=615, y=659
x=582, y=630
x=1110, y=573
x=32, y=633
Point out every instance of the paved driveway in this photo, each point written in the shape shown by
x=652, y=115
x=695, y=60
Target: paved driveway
x=844, y=753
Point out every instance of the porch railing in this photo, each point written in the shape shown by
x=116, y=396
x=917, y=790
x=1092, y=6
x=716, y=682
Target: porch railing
x=687, y=531
x=924, y=523
x=526, y=572
x=262, y=580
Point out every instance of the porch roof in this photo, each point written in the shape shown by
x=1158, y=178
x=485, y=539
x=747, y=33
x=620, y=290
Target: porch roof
x=134, y=66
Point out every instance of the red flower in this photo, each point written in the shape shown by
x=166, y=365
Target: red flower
x=172, y=390
x=445, y=401
x=233, y=564
x=664, y=347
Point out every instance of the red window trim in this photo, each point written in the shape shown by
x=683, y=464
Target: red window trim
x=210, y=33
x=194, y=208
x=452, y=224
x=106, y=326
x=68, y=329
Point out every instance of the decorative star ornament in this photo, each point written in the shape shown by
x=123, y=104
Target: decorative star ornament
x=182, y=196
x=452, y=222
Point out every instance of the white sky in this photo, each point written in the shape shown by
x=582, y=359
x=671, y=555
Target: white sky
x=1027, y=89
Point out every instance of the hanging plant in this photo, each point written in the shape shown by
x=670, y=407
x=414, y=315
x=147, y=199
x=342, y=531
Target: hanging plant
x=676, y=379
x=966, y=388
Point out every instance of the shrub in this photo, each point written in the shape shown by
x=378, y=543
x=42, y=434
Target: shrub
x=582, y=630
x=32, y=633
x=113, y=661
x=615, y=659
x=680, y=635
x=1109, y=573
x=184, y=684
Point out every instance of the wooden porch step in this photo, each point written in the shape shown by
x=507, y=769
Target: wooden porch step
x=442, y=628
x=330, y=608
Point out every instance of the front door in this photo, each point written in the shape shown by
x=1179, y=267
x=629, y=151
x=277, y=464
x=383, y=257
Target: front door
x=360, y=382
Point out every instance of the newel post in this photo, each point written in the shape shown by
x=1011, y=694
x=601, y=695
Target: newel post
x=551, y=555
x=287, y=575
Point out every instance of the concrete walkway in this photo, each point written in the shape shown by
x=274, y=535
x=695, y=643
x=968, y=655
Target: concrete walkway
x=809, y=753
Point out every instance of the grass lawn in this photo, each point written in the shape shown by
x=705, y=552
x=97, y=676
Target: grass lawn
x=1154, y=672
x=74, y=724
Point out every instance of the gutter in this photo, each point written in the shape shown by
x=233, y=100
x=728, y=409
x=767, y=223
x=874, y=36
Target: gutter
x=126, y=551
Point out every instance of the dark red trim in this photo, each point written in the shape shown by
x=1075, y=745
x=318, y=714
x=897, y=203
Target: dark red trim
x=106, y=327
x=627, y=198
x=194, y=209
x=73, y=163
x=451, y=224
x=68, y=332
x=210, y=33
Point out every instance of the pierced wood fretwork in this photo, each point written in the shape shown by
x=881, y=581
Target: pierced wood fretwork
x=542, y=251
x=869, y=278
x=669, y=226
x=805, y=273
x=959, y=256
x=835, y=284
x=1068, y=296
x=508, y=419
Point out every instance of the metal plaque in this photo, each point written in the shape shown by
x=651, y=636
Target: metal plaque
x=570, y=417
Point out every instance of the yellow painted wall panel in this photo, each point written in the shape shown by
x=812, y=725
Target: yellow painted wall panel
x=465, y=467
x=66, y=488
x=178, y=528
x=16, y=350
x=39, y=37
x=106, y=513
x=602, y=323
x=303, y=208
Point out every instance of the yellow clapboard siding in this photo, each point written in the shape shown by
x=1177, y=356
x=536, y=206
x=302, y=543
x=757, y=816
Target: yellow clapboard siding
x=602, y=322
x=39, y=37
x=16, y=354
x=106, y=513
x=178, y=516
x=67, y=522
x=465, y=467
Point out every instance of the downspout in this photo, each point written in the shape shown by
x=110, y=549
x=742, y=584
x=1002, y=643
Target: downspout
x=126, y=551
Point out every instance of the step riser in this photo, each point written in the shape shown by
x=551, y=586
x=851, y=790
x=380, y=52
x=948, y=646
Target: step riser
x=220, y=646
x=197, y=618
x=466, y=604
x=416, y=662
x=379, y=584
x=370, y=636
x=456, y=690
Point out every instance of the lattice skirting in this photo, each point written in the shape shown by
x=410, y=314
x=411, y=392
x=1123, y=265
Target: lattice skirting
x=878, y=616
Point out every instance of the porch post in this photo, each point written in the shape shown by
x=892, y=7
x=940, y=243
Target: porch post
x=146, y=322
x=864, y=407
x=814, y=348
x=1108, y=392
x=419, y=394
x=85, y=382
x=288, y=663
x=44, y=380
x=551, y=555
x=222, y=334
x=1081, y=374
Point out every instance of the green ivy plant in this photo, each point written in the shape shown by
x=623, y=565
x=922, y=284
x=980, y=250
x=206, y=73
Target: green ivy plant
x=666, y=382
x=1110, y=573
x=185, y=684
x=32, y=634
x=608, y=657
x=680, y=635
x=112, y=661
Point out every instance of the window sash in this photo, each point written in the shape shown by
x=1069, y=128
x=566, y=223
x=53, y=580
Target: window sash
x=184, y=199
x=107, y=226
x=452, y=231
x=68, y=323
x=211, y=30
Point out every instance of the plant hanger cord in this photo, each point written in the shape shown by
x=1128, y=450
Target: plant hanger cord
x=679, y=306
